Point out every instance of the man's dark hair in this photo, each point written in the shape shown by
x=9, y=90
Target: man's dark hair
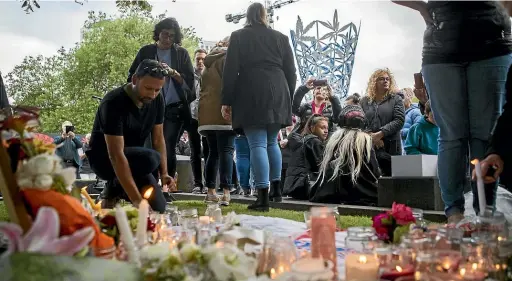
x=151, y=68
x=256, y=14
x=168, y=23
x=201, y=51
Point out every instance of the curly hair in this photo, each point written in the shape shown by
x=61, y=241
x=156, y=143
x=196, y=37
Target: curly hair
x=372, y=83
x=168, y=23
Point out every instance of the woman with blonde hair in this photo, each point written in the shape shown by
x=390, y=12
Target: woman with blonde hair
x=384, y=111
x=349, y=170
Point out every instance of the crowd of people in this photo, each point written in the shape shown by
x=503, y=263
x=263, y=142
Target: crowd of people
x=242, y=111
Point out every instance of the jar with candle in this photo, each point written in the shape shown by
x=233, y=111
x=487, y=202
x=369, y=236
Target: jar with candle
x=277, y=256
x=493, y=222
x=359, y=237
x=448, y=238
x=471, y=272
x=420, y=222
x=323, y=229
x=447, y=261
x=204, y=231
x=426, y=262
x=312, y=269
x=173, y=213
x=189, y=218
x=360, y=266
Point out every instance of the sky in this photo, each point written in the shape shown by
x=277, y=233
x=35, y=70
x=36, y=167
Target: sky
x=391, y=35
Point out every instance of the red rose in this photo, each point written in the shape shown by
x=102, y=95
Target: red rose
x=402, y=214
x=151, y=226
x=381, y=222
x=108, y=220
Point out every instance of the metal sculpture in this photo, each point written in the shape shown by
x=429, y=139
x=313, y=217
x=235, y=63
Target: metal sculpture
x=329, y=56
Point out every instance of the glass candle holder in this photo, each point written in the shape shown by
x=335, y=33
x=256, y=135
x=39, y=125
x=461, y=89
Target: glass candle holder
x=359, y=237
x=447, y=261
x=471, y=272
x=278, y=254
x=448, y=238
x=173, y=213
x=395, y=270
x=189, y=218
x=425, y=262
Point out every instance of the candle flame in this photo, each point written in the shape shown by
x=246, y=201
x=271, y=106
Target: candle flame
x=399, y=268
x=363, y=259
x=148, y=193
x=474, y=266
x=474, y=161
x=417, y=275
x=272, y=273
x=462, y=272
x=281, y=269
x=498, y=266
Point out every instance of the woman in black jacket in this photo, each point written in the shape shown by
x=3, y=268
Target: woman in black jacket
x=385, y=117
x=259, y=77
x=324, y=103
x=349, y=171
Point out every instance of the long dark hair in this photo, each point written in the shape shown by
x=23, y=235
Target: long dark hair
x=312, y=122
x=256, y=14
x=168, y=23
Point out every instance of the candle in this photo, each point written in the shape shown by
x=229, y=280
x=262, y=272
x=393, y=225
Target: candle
x=479, y=185
x=126, y=234
x=142, y=224
x=361, y=267
x=95, y=207
x=217, y=215
x=397, y=271
x=312, y=269
x=204, y=220
x=471, y=273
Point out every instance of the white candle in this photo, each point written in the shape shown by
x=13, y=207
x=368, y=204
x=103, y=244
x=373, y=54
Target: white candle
x=480, y=186
x=361, y=267
x=142, y=225
x=126, y=234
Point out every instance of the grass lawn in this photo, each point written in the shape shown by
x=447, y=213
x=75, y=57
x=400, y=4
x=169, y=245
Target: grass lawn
x=344, y=221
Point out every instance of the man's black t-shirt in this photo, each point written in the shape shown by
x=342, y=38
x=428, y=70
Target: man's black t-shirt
x=118, y=115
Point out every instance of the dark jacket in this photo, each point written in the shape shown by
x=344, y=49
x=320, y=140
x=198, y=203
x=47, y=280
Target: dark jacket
x=306, y=156
x=259, y=77
x=466, y=31
x=305, y=110
x=500, y=140
x=76, y=144
x=285, y=152
x=342, y=190
x=387, y=116
x=180, y=61
x=4, y=100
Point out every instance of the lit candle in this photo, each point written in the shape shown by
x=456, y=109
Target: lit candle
x=142, y=225
x=471, y=273
x=479, y=185
x=361, y=267
x=397, y=271
x=126, y=234
x=312, y=269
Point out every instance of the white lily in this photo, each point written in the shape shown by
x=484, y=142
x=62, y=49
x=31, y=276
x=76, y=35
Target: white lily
x=228, y=263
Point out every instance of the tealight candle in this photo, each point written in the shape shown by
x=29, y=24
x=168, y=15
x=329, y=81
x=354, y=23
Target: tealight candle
x=394, y=272
x=471, y=273
x=361, y=267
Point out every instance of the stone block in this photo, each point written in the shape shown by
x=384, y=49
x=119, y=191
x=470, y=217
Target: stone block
x=421, y=192
x=185, y=175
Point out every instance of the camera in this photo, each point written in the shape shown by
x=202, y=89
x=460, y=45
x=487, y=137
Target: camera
x=70, y=129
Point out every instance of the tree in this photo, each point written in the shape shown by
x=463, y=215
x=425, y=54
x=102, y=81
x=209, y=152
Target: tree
x=29, y=5
x=63, y=84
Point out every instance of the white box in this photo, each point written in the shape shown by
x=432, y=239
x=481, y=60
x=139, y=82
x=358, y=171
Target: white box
x=414, y=166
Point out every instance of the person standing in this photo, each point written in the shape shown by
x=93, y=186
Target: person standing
x=4, y=100
x=124, y=120
x=69, y=144
x=467, y=51
x=258, y=81
x=178, y=91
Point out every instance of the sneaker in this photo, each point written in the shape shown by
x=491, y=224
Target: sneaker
x=198, y=190
x=235, y=190
x=247, y=192
x=211, y=198
x=224, y=201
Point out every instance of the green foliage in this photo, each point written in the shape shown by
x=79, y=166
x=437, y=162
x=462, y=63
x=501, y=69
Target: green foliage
x=62, y=84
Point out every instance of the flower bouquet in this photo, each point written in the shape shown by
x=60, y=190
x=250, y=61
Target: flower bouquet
x=108, y=223
x=392, y=225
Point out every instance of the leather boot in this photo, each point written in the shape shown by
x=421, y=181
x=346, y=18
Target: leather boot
x=262, y=204
x=276, y=194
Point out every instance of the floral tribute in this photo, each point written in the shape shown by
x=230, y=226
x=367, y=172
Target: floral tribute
x=108, y=222
x=392, y=225
x=43, y=182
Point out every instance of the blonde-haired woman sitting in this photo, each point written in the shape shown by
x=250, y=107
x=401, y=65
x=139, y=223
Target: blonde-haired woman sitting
x=349, y=170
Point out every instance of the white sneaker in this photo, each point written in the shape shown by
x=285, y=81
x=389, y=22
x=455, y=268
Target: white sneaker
x=224, y=200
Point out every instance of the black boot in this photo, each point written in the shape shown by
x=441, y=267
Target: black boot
x=261, y=203
x=277, y=193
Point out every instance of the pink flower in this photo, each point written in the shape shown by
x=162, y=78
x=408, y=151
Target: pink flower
x=43, y=236
x=402, y=214
x=381, y=222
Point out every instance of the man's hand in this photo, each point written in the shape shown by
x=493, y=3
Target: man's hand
x=309, y=83
x=71, y=135
x=226, y=112
x=283, y=143
x=168, y=183
x=421, y=95
x=171, y=71
x=377, y=136
x=494, y=161
x=64, y=135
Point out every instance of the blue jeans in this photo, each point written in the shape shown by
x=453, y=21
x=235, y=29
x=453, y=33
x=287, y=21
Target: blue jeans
x=265, y=156
x=466, y=101
x=220, y=159
x=243, y=161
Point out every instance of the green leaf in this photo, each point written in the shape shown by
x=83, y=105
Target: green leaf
x=399, y=232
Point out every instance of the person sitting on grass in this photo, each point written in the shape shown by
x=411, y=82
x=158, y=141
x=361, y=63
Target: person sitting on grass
x=422, y=136
x=306, y=150
x=349, y=171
